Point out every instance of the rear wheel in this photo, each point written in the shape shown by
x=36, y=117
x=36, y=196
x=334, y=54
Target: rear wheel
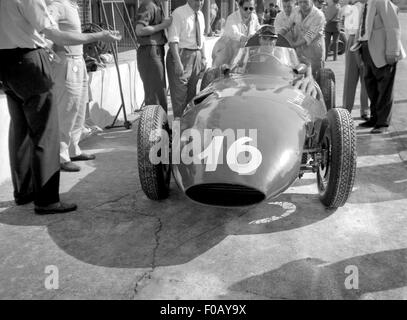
x=326, y=81
x=153, y=130
x=342, y=43
x=336, y=173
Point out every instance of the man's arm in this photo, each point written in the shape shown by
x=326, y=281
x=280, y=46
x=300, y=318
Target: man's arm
x=36, y=12
x=315, y=30
x=142, y=30
x=232, y=30
x=179, y=68
x=144, y=18
x=174, y=32
x=64, y=38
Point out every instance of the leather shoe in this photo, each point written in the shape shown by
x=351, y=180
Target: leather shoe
x=84, y=157
x=367, y=124
x=55, y=208
x=379, y=129
x=70, y=167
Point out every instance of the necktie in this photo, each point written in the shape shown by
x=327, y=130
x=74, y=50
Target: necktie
x=363, y=29
x=197, y=31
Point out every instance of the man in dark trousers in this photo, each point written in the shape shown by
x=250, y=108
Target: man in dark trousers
x=186, y=56
x=150, y=27
x=25, y=71
x=380, y=49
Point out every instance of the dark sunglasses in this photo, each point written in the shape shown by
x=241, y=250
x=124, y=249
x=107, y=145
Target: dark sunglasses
x=248, y=8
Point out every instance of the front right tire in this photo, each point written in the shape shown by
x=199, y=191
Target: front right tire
x=337, y=171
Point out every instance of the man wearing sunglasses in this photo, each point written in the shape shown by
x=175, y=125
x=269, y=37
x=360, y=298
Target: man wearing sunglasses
x=243, y=23
x=239, y=27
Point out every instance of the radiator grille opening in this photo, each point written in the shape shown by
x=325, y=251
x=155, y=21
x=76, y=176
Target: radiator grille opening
x=223, y=194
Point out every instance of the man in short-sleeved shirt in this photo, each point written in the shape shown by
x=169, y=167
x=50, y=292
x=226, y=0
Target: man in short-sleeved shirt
x=150, y=30
x=25, y=71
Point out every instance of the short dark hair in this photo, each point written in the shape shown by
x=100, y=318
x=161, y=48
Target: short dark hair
x=240, y=2
x=336, y=1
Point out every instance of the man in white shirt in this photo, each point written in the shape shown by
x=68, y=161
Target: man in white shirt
x=186, y=57
x=25, y=71
x=243, y=23
x=240, y=26
x=353, y=66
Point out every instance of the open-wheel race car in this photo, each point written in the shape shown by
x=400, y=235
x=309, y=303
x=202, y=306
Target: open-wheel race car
x=249, y=134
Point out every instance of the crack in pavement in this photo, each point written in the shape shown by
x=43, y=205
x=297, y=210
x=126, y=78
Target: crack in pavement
x=109, y=201
x=148, y=274
x=157, y=231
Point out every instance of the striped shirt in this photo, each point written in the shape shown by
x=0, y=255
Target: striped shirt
x=311, y=28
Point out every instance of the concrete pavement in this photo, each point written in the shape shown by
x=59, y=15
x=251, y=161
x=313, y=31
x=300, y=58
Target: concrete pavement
x=121, y=245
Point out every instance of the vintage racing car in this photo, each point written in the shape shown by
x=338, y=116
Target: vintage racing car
x=249, y=134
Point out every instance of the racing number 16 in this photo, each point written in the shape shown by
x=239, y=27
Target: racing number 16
x=212, y=153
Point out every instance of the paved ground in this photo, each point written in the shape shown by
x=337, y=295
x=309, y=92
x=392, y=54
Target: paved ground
x=121, y=245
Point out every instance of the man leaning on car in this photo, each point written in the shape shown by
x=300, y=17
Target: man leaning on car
x=307, y=29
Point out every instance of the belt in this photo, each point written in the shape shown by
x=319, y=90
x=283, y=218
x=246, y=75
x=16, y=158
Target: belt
x=190, y=49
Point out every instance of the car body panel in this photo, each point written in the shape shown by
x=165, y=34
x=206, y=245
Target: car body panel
x=280, y=114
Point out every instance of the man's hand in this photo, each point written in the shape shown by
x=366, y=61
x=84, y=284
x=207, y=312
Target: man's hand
x=306, y=85
x=391, y=58
x=203, y=64
x=166, y=22
x=243, y=40
x=109, y=36
x=179, y=69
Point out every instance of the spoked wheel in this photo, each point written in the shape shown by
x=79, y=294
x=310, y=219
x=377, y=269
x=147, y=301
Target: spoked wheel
x=342, y=43
x=153, y=152
x=336, y=173
x=326, y=81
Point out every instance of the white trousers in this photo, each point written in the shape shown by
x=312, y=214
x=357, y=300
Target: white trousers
x=71, y=96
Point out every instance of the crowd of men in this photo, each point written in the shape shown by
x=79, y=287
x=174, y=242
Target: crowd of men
x=47, y=96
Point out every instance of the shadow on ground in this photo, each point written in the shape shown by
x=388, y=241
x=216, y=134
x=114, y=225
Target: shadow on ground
x=316, y=279
x=117, y=226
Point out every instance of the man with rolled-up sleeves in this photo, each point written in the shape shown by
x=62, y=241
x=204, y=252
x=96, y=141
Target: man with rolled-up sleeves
x=25, y=71
x=186, y=57
x=307, y=27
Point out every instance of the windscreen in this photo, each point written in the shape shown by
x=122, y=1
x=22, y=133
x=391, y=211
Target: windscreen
x=266, y=60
